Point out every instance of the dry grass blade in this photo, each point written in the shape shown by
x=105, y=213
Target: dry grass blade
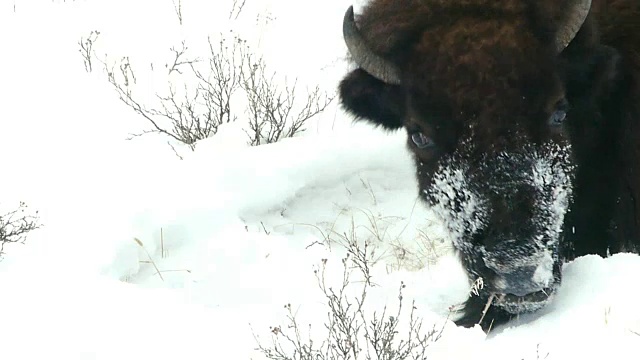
x=150, y=258
x=486, y=307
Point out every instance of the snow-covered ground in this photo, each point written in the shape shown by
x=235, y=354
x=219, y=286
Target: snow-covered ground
x=235, y=231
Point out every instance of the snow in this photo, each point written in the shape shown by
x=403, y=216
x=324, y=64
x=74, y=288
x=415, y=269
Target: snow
x=543, y=274
x=235, y=230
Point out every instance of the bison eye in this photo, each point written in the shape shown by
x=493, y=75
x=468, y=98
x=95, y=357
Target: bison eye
x=421, y=140
x=557, y=118
x=560, y=114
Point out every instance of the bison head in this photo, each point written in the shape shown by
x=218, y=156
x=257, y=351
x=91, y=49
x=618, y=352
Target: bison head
x=481, y=90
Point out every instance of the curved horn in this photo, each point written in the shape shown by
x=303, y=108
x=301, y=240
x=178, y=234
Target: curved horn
x=577, y=12
x=363, y=55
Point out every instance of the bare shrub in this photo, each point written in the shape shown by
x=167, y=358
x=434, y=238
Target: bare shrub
x=195, y=110
x=350, y=332
x=223, y=78
x=236, y=9
x=195, y=114
x=86, y=49
x=174, y=117
x=15, y=224
x=186, y=116
x=177, y=7
x=273, y=114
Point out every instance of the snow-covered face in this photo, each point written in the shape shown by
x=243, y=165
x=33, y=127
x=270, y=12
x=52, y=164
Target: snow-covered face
x=505, y=214
x=488, y=123
x=485, y=108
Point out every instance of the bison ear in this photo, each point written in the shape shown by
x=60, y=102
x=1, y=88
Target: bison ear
x=373, y=100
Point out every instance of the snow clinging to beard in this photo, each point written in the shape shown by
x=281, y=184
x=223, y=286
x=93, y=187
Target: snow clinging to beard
x=552, y=178
x=460, y=208
x=462, y=204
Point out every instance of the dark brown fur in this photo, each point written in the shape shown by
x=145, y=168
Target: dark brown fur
x=487, y=70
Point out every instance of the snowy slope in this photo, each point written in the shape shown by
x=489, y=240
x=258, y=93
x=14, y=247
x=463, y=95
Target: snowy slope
x=235, y=231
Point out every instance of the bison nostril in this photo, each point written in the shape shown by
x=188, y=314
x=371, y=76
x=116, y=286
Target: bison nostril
x=520, y=271
x=522, y=282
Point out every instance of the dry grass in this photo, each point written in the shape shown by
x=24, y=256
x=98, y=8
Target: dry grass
x=163, y=255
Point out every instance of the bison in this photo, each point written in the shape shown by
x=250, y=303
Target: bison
x=523, y=117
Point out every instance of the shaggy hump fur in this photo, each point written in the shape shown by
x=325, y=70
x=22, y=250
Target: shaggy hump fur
x=481, y=78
